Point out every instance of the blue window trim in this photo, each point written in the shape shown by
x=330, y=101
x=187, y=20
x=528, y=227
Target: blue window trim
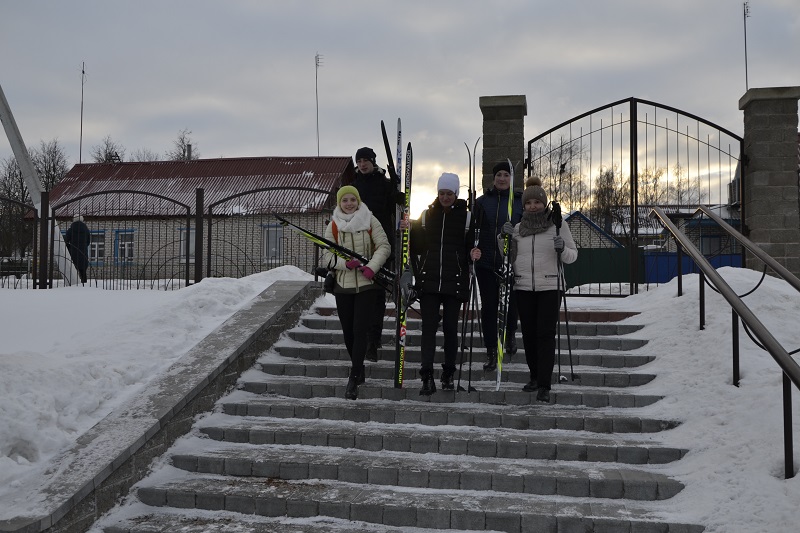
x=117, y=233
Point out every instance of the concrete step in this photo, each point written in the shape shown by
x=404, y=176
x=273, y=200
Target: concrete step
x=509, y=393
x=512, y=372
x=413, y=338
x=455, y=471
x=584, y=329
x=168, y=520
x=399, y=507
x=447, y=439
x=338, y=352
x=468, y=413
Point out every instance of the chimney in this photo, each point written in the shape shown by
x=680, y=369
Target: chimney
x=188, y=152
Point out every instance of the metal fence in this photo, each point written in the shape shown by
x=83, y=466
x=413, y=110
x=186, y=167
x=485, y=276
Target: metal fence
x=139, y=240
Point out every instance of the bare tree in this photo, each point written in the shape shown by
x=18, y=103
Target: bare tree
x=50, y=163
x=559, y=167
x=108, y=151
x=144, y=154
x=183, y=149
x=611, y=192
x=16, y=233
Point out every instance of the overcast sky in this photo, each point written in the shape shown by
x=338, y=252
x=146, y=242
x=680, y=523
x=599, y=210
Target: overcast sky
x=241, y=75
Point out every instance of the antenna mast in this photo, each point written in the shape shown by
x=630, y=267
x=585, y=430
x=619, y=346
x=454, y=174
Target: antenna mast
x=745, y=15
x=80, y=143
x=318, y=63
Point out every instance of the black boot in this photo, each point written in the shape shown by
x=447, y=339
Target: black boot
x=372, y=352
x=491, y=360
x=361, y=376
x=356, y=378
x=543, y=395
x=428, y=383
x=447, y=379
x=511, y=344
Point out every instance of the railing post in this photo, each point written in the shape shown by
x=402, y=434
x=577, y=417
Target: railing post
x=44, y=257
x=680, y=270
x=788, y=445
x=735, y=342
x=702, y=300
x=198, y=235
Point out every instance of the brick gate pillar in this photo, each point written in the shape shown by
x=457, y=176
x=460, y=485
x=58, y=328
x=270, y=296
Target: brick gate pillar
x=503, y=135
x=771, y=174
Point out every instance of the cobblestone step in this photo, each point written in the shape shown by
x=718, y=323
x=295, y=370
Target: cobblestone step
x=399, y=507
x=485, y=393
x=447, y=439
x=417, y=469
x=475, y=414
x=512, y=372
x=337, y=352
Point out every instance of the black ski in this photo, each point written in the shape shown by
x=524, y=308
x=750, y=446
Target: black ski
x=403, y=301
x=384, y=277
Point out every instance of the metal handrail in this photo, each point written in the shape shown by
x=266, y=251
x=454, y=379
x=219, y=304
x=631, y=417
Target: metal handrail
x=791, y=370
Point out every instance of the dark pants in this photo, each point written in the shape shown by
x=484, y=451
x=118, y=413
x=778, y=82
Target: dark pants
x=355, y=314
x=538, y=316
x=489, y=287
x=378, y=314
x=429, y=304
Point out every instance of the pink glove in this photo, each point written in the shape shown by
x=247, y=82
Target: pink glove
x=367, y=271
x=353, y=263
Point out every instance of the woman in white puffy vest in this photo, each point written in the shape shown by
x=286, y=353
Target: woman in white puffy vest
x=535, y=250
x=354, y=227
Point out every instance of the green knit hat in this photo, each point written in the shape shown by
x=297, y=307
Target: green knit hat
x=347, y=189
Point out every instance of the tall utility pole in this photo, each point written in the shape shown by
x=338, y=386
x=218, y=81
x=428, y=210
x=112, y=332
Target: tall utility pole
x=745, y=15
x=80, y=142
x=318, y=63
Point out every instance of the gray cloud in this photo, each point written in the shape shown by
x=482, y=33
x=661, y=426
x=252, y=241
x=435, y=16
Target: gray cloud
x=240, y=74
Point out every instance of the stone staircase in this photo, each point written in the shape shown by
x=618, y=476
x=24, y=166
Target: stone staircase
x=285, y=452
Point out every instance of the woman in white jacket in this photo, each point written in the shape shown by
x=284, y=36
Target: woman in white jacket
x=354, y=227
x=536, y=246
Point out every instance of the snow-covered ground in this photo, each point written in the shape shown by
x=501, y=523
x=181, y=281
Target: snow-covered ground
x=69, y=356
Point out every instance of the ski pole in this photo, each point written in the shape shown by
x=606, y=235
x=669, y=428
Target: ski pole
x=556, y=215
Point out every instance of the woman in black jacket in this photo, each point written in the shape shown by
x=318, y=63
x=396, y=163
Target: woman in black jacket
x=441, y=241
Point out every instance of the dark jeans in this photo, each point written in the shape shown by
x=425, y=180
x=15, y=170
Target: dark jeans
x=429, y=304
x=538, y=316
x=489, y=287
x=355, y=315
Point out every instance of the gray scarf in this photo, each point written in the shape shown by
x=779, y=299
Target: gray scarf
x=533, y=223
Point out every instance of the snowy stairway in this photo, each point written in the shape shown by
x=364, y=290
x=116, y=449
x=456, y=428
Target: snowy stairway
x=286, y=452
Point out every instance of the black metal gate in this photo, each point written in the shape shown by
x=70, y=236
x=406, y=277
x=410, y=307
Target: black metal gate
x=244, y=237
x=615, y=162
x=137, y=240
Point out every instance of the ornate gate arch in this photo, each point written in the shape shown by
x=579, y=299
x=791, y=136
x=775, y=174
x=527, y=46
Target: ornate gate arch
x=613, y=163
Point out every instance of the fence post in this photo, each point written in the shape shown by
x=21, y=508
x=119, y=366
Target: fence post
x=44, y=218
x=735, y=343
x=198, y=235
x=634, y=170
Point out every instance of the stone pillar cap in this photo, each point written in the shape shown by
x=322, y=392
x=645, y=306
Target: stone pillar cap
x=769, y=93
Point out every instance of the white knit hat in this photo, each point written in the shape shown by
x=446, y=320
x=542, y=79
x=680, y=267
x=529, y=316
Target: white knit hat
x=448, y=182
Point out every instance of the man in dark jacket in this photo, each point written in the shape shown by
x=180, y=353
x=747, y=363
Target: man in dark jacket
x=443, y=240
x=492, y=213
x=382, y=198
x=78, y=238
